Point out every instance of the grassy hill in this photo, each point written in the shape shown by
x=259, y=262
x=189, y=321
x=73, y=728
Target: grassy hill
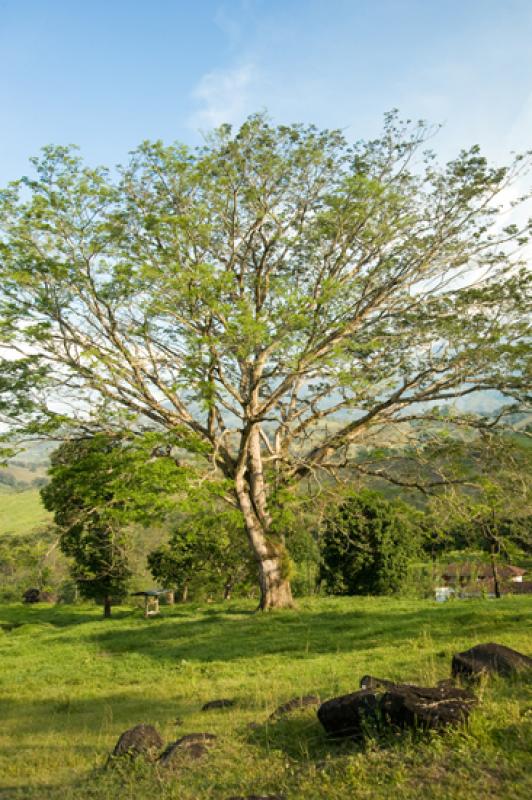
x=71, y=683
x=22, y=512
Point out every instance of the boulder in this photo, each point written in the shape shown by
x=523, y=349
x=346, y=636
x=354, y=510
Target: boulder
x=383, y=704
x=350, y=714
x=193, y=745
x=140, y=740
x=31, y=596
x=222, y=703
x=174, y=752
x=490, y=658
x=256, y=797
x=34, y=595
x=294, y=704
x=431, y=708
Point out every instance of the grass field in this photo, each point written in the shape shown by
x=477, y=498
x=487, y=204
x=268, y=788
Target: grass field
x=72, y=682
x=22, y=512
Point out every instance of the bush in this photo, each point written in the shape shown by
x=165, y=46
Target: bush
x=368, y=544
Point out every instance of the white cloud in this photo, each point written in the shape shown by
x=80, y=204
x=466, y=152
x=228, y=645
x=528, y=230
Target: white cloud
x=223, y=95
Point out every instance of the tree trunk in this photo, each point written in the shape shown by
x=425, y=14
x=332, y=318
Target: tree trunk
x=271, y=557
x=496, y=584
x=269, y=551
x=228, y=586
x=275, y=590
x=184, y=592
x=107, y=607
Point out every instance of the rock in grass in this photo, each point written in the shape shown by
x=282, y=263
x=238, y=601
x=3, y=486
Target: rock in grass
x=350, y=714
x=430, y=708
x=490, y=658
x=386, y=705
x=257, y=797
x=140, y=740
x=193, y=746
x=38, y=596
x=174, y=753
x=294, y=704
x=222, y=703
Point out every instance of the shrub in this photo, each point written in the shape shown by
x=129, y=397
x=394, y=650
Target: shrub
x=368, y=543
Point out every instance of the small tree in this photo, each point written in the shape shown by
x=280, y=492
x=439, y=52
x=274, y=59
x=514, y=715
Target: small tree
x=100, y=561
x=91, y=538
x=368, y=544
x=208, y=546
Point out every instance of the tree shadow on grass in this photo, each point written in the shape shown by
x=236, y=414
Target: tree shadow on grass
x=227, y=638
x=96, y=714
x=300, y=737
x=59, y=616
x=303, y=739
x=82, y=733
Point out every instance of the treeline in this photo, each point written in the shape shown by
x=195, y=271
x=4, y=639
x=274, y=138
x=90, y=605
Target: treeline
x=131, y=513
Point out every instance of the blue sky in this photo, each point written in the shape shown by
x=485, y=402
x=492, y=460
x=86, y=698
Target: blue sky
x=106, y=75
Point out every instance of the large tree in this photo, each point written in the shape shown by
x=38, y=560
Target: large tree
x=281, y=294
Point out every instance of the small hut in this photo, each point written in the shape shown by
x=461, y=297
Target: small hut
x=151, y=600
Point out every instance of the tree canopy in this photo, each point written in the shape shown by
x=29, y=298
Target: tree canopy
x=279, y=296
x=79, y=494
x=207, y=546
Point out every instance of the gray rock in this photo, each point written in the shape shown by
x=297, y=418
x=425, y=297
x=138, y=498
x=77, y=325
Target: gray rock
x=386, y=705
x=140, y=740
x=490, y=658
x=38, y=596
x=350, y=714
x=430, y=708
x=193, y=746
x=257, y=797
x=294, y=704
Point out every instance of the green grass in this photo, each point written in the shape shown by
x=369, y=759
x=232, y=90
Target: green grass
x=72, y=682
x=22, y=512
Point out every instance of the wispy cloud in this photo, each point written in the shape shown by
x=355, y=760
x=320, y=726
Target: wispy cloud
x=222, y=95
